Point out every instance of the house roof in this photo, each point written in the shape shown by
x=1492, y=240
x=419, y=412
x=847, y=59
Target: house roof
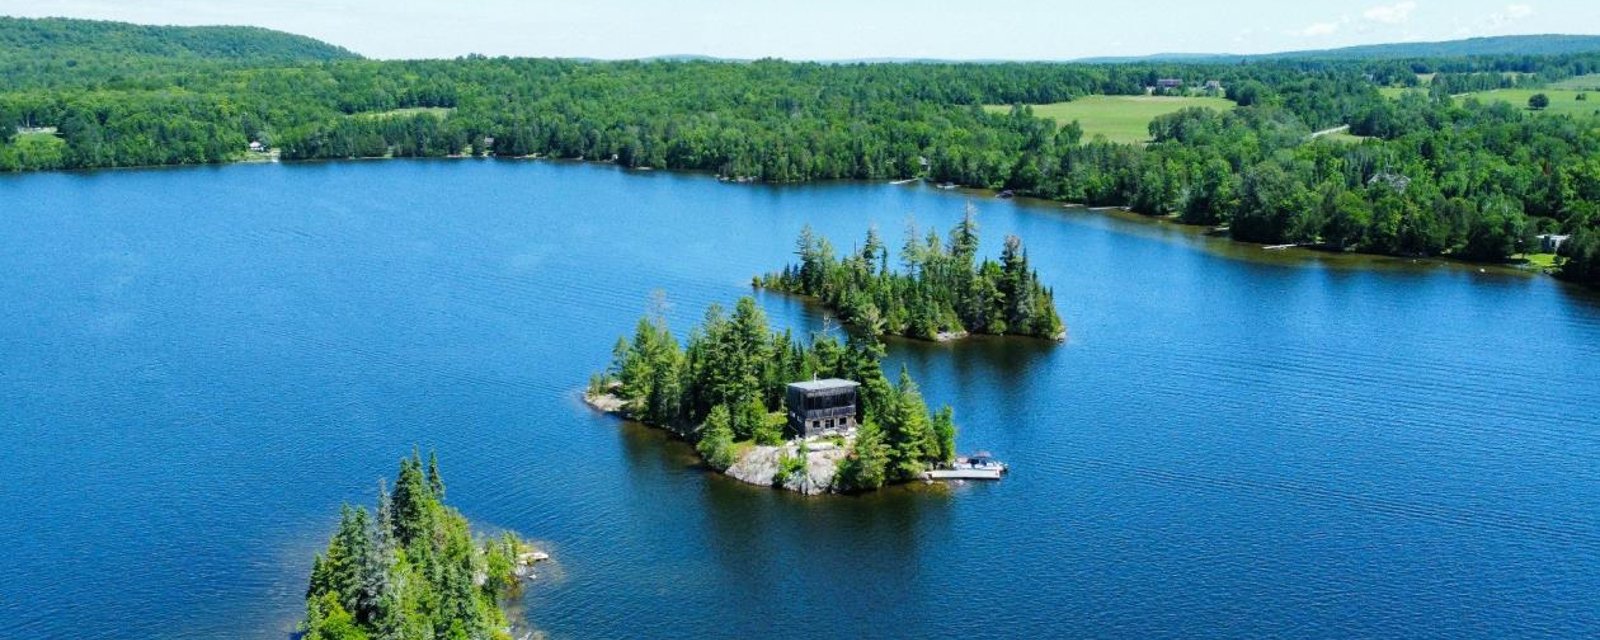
x=824, y=385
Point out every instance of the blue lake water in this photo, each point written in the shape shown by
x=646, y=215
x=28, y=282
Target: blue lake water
x=198, y=366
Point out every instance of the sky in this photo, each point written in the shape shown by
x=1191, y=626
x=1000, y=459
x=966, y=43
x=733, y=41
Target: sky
x=846, y=29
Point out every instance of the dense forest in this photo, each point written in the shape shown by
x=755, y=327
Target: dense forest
x=725, y=386
x=64, y=52
x=411, y=571
x=943, y=291
x=1434, y=174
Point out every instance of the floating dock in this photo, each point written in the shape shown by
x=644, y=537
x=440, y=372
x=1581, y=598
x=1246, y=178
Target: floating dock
x=978, y=466
x=964, y=474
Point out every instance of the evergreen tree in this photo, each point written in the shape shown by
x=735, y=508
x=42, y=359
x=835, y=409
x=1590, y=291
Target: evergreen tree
x=434, y=483
x=865, y=469
x=716, y=439
x=944, y=434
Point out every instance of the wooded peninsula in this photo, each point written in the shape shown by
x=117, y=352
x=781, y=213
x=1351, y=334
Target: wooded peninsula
x=1400, y=153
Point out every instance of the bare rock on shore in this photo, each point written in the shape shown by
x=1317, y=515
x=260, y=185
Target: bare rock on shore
x=760, y=466
x=608, y=402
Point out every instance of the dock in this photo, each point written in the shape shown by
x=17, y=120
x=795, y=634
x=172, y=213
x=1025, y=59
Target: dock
x=906, y=181
x=963, y=474
x=978, y=466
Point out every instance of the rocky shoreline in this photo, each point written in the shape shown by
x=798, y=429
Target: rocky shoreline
x=760, y=465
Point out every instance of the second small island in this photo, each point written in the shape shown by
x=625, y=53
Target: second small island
x=942, y=293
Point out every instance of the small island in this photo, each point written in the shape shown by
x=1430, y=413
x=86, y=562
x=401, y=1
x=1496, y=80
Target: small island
x=770, y=409
x=944, y=292
x=413, y=570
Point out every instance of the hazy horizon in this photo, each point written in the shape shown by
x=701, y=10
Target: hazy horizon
x=837, y=30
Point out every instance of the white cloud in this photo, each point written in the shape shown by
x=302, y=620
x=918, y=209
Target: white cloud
x=1500, y=19
x=1320, y=29
x=1393, y=13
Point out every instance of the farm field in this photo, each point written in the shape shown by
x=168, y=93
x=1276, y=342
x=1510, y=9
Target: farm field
x=1118, y=118
x=1562, y=101
x=1589, y=82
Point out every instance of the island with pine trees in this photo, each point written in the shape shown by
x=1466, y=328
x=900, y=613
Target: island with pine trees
x=414, y=570
x=728, y=389
x=943, y=292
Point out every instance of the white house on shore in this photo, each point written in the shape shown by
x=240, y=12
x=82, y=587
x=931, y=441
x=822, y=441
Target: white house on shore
x=1551, y=243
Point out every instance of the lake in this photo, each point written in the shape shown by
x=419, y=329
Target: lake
x=198, y=366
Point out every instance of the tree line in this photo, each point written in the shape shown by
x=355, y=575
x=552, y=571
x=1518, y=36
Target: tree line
x=725, y=385
x=410, y=571
x=942, y=291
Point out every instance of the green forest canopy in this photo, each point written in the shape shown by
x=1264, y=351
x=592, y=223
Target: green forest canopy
x=411, y=570
x=942, y=290
x=62, y=51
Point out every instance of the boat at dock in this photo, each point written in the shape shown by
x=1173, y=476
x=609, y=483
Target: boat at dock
x=978, y=466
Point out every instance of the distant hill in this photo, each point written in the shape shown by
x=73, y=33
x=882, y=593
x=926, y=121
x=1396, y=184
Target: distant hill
x=1497, y=45
x=52, y=51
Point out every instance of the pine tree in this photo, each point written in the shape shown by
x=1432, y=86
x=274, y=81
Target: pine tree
x=411, y=502
x=434, y=483
x=907, y=433
x=716, y=440
x=944, y=432
x=873, y=252
x=865, y=468
x=964, y=238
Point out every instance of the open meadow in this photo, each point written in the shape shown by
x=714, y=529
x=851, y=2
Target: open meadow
x=1118, y=118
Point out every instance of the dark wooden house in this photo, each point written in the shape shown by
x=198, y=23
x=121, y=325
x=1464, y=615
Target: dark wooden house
x=820, y=407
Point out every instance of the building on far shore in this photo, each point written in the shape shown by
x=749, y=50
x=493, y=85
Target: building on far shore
x=1551, y=243
x=821, y=407
x=1169, y=83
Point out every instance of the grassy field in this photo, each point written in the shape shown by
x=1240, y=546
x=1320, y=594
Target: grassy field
x=1538, y=261
x=1589, y=82
x=1561, y=100
x=437, y=112
x=1344, y=137
x=1118, y=118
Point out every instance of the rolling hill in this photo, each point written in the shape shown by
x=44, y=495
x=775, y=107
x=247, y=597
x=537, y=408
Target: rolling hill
x=61, y=51
x=1550, y=44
